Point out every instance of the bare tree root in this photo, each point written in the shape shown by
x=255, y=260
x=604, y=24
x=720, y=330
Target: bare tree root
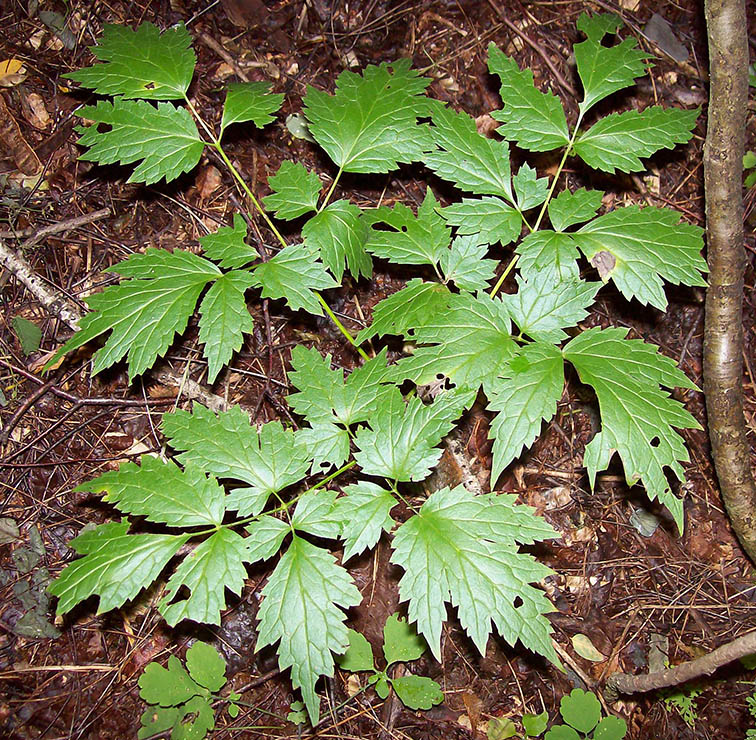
x=723, y=332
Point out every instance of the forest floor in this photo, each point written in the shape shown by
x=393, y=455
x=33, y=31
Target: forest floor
x=625, y=578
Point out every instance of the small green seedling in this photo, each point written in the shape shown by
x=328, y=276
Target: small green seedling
x=751, y=704
x=749, y=168
x=682, y=700
x=401, y=644
x=181, y=698
x=535, y=724
x=581, y=712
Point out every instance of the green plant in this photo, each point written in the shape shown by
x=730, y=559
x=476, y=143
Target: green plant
x=182, y=698
x=751, y=704
x=401, y=644
x=240, y=494
x=582, y=713
x=749, y=163
x=682, y=700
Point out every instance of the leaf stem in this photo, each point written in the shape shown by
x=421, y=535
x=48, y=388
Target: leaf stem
x=503, y=275
x=341, y=327
x=331, y=189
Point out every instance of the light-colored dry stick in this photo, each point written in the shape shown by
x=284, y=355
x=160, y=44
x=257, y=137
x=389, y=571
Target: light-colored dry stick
x=67, y=225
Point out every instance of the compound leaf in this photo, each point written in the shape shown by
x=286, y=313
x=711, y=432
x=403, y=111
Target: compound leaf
x=401, y=644
x=581, y=710
x=265, y=537
x=530, y=189
x=167, y=687
x=143, y=63
x=213, y=566
x=400, y=443
x=224, y=319
x=227, y=245
x=490, y=219
x=637, y=247
x=464, y=549
x=326, y=443
x=294, y=274
x=619, y=140
x=250, y=101
x=206, y=666
x=465, y=264
x=295, y=191
x=227, y=445
x=534, y=119
x=525, y=395
x=315, y=514
x=365, y=512
x=370, y=124
x=116, y=566
x=412, y=240
x=163, y=139
x=568, y=209
x=595, y=27
x=339, y=234
x=300, y=608
x=472, y=162
x=162, y=492
x=552, y=249
x=637, y=416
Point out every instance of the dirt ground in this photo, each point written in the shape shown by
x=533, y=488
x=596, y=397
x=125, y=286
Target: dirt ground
x=628, y=589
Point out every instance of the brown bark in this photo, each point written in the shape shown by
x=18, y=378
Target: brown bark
x=723, y=333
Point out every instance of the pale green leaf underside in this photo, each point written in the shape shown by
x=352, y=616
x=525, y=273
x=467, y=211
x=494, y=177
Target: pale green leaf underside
x=365, y=511
x=619, y=140
x=637, y=415
x=370, y=124
x=143, y=63
x=116, y=566
x=250, y=101
x=568, y=209
x=162, y=492
x=295, y=191
x=227, y=246
x=465, y=264
x=525, y=395
x=450, y=554
x=489, y=219
x=213, y=566
x=294, y=274
x=471, y=161
x=164, y=140
x=534, y=119
x=301, y=609
x=647, y=245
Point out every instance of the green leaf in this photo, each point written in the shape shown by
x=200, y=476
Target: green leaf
x=326, y=443
x=295, y=191
x=400, y=443
x=610, y=728
x=619, y=140
x=544, y=305
x=359, y=654
x=530, y=189
x=227, y=445
x=581, y=710
x=339, y=234
x=265, y=538
x=490, y=218
x=365, y=512
x=561, y=732
x=163, y=139
x=407, y=308
x=142, y=63
x=370, y=124
x=749, y=160
x=638, y=247
x=637, y=416
x=227, y=245
x=300, y=608
x=525, y=395
x=382, y=687
x=116, y=566
x=463, y=548
x=546, y=248
x=143, y=315
x=224, y=320
x=250, y=101
x=417, y=692
x=197, y=721
x=412, y=240
x=162, y=492
x=500, y=728
x=471, y=340
x=568, y=209
x=315, y=514
x=595, y=27
x=401, y=644
x=534, y=119
x=213, y=566
x=472, y=162
x=605, y=69
x=294, y=274
x=206, y=666
x=465, y=264
x=167, y=687
x=535, y=724
x=326, y=397
x=28, y=333
x=156, y=720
